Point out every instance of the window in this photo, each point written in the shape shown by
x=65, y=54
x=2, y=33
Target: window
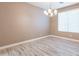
x=69, y=21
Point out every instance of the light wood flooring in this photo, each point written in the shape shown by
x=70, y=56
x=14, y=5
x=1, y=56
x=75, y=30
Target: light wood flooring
x=49, y=46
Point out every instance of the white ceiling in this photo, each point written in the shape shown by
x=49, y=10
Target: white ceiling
x=54, y=5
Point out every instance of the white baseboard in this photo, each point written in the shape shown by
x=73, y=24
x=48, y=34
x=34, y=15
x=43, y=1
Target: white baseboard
x=15, y=44
x=30, y=40
x=65, y=38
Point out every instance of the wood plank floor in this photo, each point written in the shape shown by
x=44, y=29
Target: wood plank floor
x=49, y=46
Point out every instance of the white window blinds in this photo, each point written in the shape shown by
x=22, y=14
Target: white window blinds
x=69, y=21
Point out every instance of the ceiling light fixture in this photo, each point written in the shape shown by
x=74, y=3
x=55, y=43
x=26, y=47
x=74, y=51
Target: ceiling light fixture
x=50, y=12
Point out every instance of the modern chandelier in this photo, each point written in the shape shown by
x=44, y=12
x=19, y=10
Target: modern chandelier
x=50, y=12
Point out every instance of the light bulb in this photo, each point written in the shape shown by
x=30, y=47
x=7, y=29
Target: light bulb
x=51, y=14
x=45, y=12
x=49, y=10
x=55, y=12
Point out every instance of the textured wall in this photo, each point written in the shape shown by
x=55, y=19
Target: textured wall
x=21, y=21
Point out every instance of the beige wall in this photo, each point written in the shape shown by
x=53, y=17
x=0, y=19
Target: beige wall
x=54, y=26
x=21, y=21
